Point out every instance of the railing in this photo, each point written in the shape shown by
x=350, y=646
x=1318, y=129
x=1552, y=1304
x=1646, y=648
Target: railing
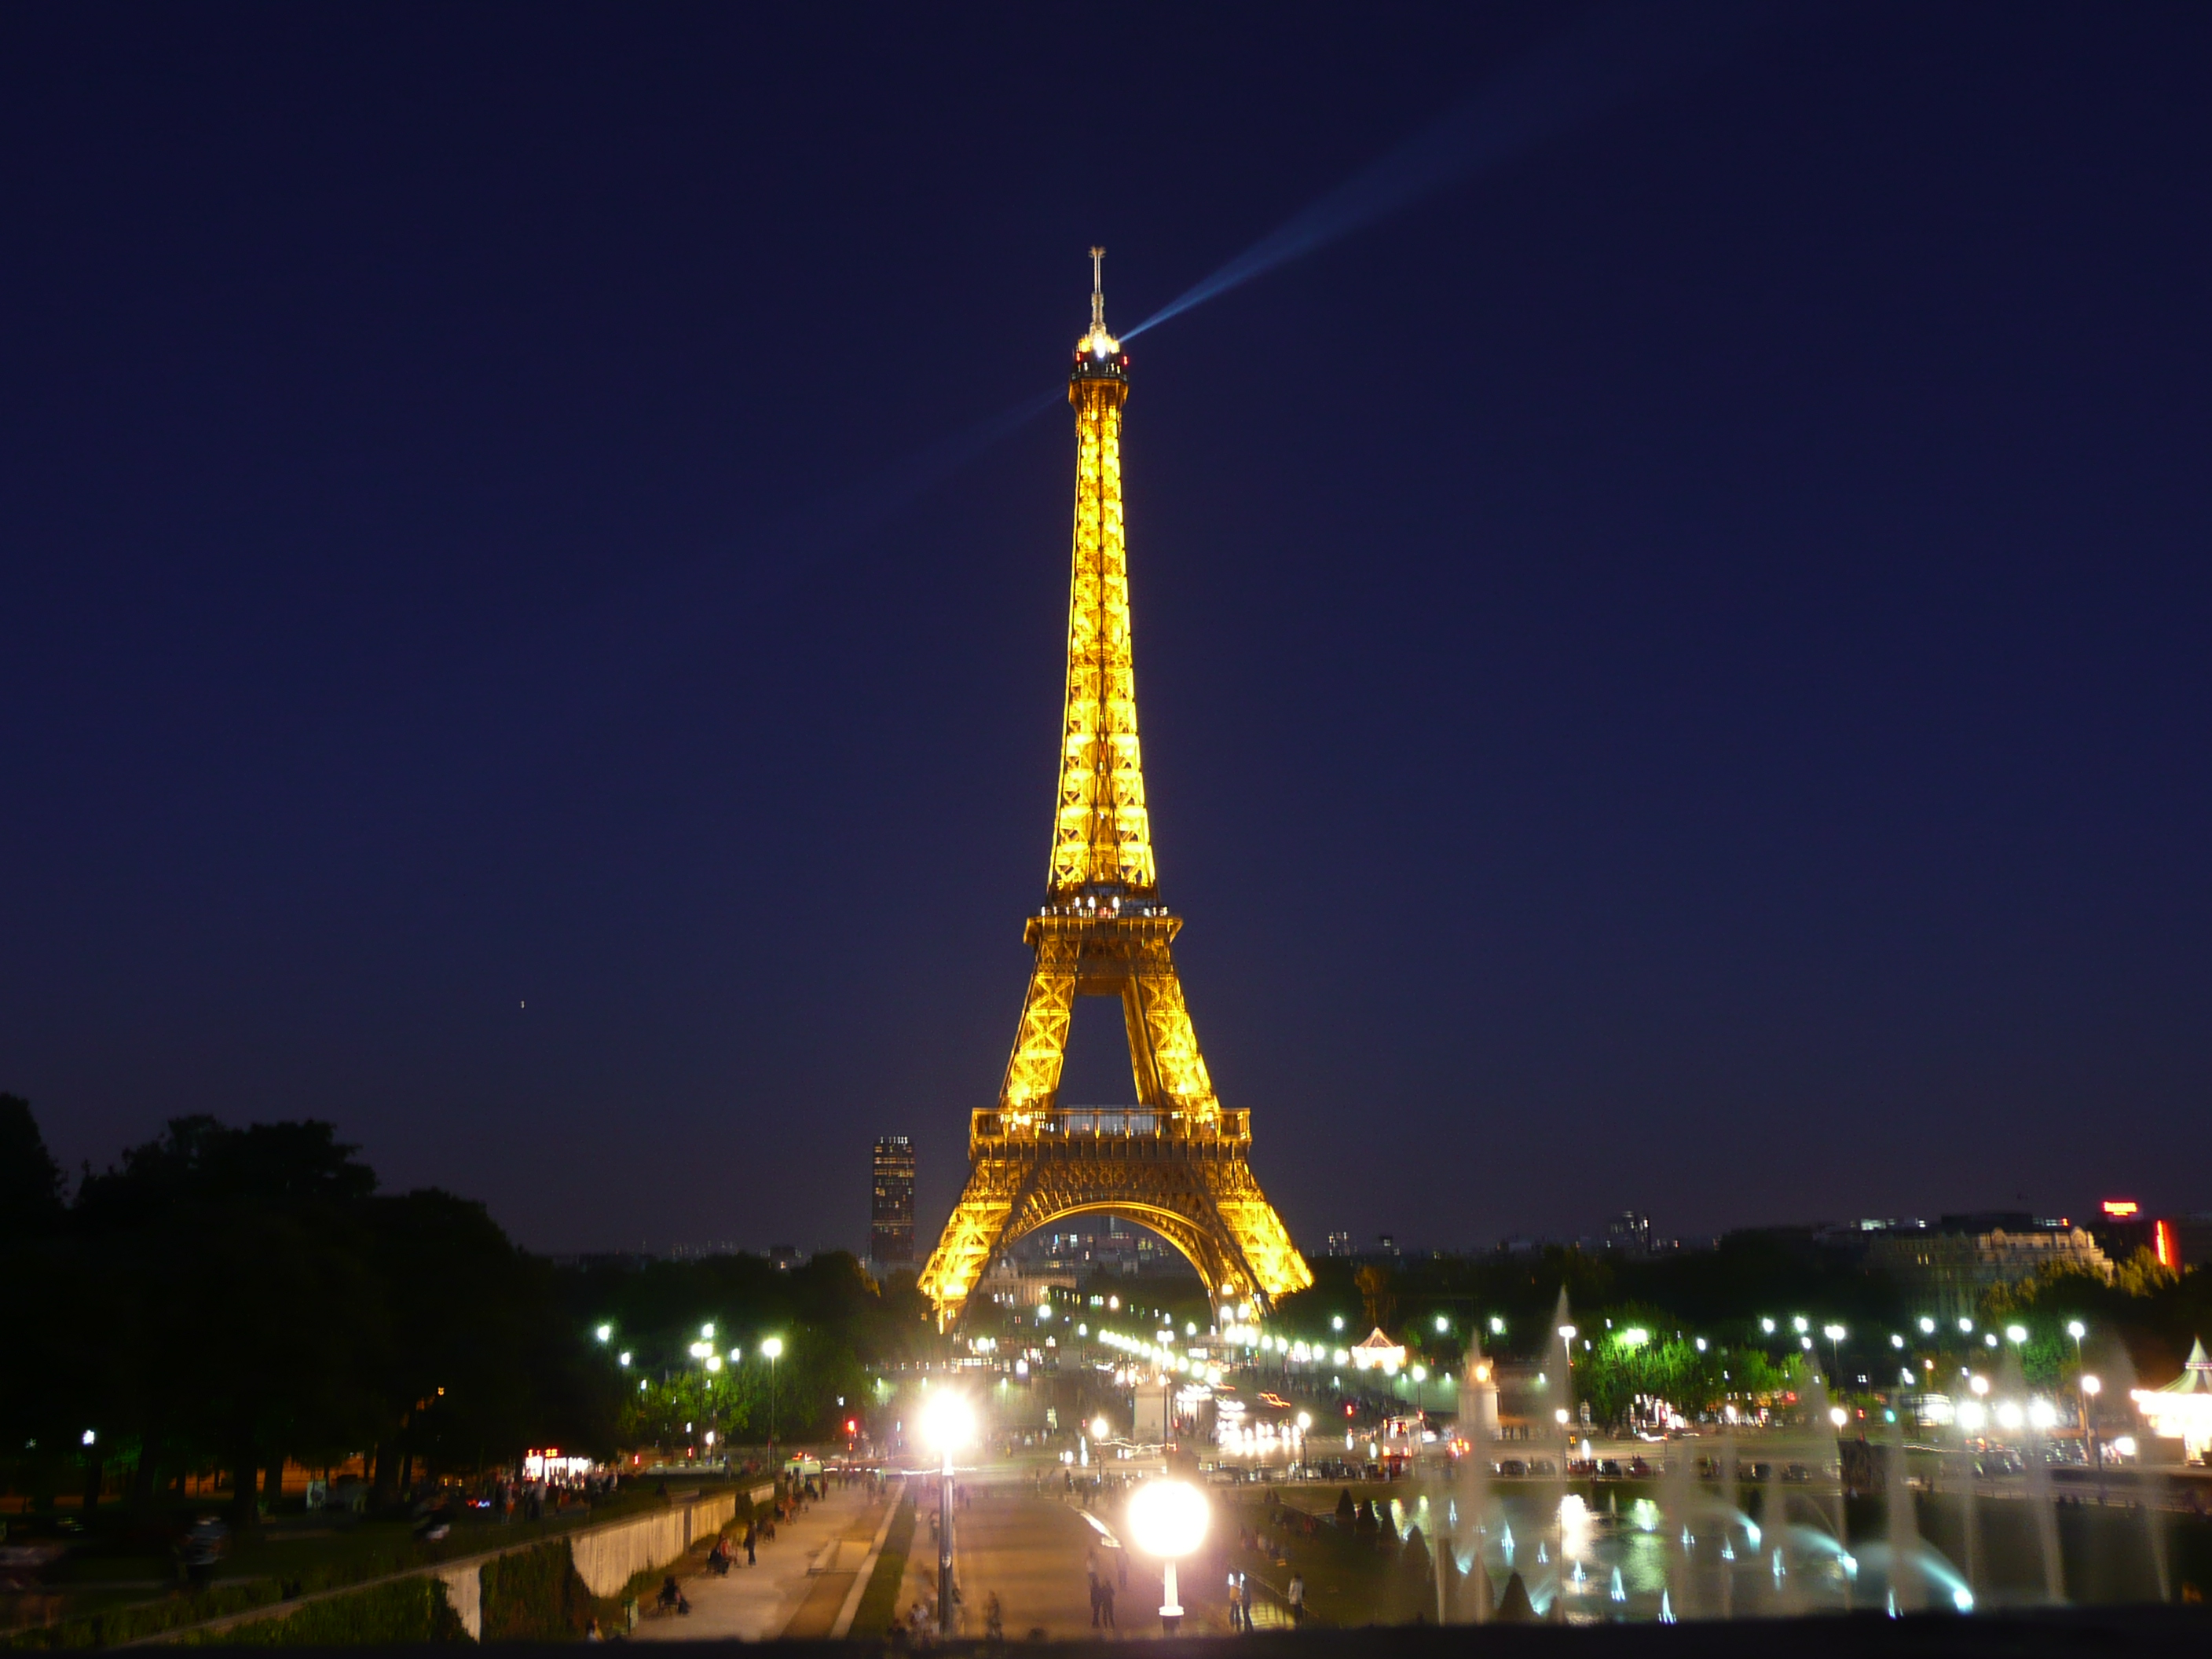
x=1091, y=1123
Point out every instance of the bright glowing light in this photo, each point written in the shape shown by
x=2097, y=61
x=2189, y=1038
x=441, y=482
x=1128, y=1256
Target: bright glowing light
x=603, y=1332
x=1336, y=1322
x=1895, y=1340
x=1497, y=1326
x=1442, y=1324
x=714, y=1362
x=2042, y=1414
x=1927, y=1326
x=1560, y=1417
x=1990, y=1340
x=708, y=1330
x=701, y=1350
x=2015, y=1334
x=623, y=1359
x=1963, y=1599
x=2009, y=1415
x=1420, y=1373
x=91, y=1436
x=1168, y=1518
x=1839, y=1416
x=1766, y=1325
x=773, y=1348
x=1701, y=1344
x=1800, y=1324
x=1980, y=1385
x=1972, y=1416
x=1305, y=1422
x=1634, y=1337
x=948, y=1421
x=1965, y=1324
x=1099, y=1428
x=2076, y=1329
x=1833, y=1332
x=1568, y=1331
x=2125, y=1445
x=2092, y=1386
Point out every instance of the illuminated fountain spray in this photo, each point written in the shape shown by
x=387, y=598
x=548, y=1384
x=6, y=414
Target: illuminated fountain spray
x=1683, y=1517
x=1904, y=1552
x=1478, y=1397
x=2018, y=1414
x=1559, y=1387
x=1731, y=1513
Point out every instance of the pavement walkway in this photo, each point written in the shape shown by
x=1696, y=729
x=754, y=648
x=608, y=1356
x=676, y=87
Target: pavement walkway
x=1033, y=1552
x=797, y=1587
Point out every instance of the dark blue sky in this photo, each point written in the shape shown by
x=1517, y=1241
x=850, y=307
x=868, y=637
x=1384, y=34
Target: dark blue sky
x=1674, y=670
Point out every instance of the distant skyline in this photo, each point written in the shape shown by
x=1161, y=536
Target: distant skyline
x=1672, y=662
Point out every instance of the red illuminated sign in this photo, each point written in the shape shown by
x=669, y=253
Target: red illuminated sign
x=2118, y=1208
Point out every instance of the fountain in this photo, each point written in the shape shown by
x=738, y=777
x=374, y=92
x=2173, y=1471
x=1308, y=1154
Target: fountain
x=1904, y=1585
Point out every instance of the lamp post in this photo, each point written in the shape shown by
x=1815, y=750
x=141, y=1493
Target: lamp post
x=1168, y=1518
x=1835, y=1333
x=774, y=1349
x=947, y=1421
x=2089, y=1387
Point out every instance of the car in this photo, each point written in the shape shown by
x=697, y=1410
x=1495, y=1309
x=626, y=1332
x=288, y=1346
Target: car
x=1797, y=1473
x=1543, y=1467
x=1608, y=1468
x=1640, y=1470
x=1513, y=1468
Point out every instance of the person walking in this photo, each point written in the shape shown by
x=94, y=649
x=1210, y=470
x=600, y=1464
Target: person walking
x=1244, y=1598
x=751, y=1535
x=1297, y=1598
x=1106, y=1600
x=1235, y=1611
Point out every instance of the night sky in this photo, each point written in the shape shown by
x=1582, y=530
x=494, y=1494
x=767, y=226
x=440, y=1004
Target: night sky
x=1674, y=665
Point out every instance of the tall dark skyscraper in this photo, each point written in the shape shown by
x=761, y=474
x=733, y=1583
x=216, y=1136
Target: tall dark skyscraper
x=891, y=1211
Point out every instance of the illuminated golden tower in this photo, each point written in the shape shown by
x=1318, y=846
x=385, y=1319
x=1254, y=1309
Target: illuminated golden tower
x=1178, y=1160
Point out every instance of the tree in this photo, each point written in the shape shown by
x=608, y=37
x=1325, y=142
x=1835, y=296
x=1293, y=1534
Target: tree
x=1375, y=1301
x=30, y=1180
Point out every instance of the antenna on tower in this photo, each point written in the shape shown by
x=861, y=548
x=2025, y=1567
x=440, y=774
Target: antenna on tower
x=1097, y=290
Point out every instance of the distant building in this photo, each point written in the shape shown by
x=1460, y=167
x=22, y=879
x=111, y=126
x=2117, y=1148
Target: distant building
x=1629, y=1233
x=784, y=1257
x=1386, y=1245
x=890, y=1207
x=1951, y=1264
x=1012, y=1283
x=1339, y=1244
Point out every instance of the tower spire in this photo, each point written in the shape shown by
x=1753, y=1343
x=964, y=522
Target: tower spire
x=1097, y=290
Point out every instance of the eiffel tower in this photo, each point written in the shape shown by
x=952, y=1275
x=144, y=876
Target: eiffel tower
x=1178, y=1161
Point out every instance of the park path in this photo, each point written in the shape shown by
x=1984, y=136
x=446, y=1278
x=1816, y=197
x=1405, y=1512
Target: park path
x=783, y=1595
x=1031, y=1550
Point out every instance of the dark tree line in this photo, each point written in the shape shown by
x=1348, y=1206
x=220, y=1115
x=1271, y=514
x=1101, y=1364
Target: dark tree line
x=227, y=1298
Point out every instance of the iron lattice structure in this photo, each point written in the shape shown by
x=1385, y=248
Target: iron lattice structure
x=1179, y=1162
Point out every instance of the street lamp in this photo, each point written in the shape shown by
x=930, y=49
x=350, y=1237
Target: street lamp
x=947, y=1421
x=2089, y=1389
x=773, y=1348
x=1835, y=1333
x=1168, y=1518
x=603, y=1333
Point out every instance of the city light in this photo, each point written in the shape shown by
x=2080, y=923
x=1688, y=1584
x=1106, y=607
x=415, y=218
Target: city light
x=948, y=1421
x=623, y=1359
x=708, y=1330
x=1567, y=1332
x=1634, y=1337
x=2015, y=1334
x=603, y=1332
x=1838, y=1416
x=1336, y=1322
x=714, y=1362
x=1800, y=1324
x=1099, y=1428
x=1497, y=1326
x=773, y=1348
x=1442, y=1324
x=1767, y=1326
x=1927, y=1326
x=1895, y=1340
x=2092, y=1386
x=1965, y=1325
x=1833, y=1332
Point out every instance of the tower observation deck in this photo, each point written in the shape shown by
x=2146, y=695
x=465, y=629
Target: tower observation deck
x=1177, y=1161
